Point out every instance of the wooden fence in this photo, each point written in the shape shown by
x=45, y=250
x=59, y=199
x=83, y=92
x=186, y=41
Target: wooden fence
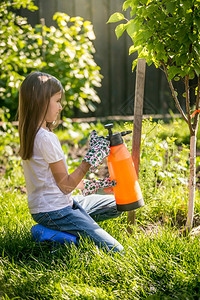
x=118, y=85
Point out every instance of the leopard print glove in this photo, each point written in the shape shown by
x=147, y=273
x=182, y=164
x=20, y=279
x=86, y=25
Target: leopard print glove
x=92, y=186
x=98, y=150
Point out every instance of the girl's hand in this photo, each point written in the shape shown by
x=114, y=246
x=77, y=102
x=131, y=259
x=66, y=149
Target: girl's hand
x=98, y=150
x=92, y=186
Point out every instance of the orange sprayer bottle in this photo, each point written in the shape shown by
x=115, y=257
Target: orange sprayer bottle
x=121, y=168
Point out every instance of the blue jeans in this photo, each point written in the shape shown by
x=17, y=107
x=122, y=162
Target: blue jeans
x=79, y=219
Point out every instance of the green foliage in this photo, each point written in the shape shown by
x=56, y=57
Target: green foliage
x=18, y=54
x=164, y=32
x=78, y=133
x=9, y=144
x=178, y=128
x=65, y=52
x=68, y=56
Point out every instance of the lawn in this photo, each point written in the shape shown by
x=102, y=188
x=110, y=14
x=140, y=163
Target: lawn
x=158, y=263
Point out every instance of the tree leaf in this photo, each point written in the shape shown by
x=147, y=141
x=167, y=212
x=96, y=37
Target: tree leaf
x=133, y=49
x=126, y=4
x=197, y=21
x=134, y=64
x=120, y=29
x=170, y=6
x=173, y=71
x=116, y=17
x=197, y=70
x=132, y=27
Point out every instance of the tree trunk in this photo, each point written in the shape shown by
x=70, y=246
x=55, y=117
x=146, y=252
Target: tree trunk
x=193, y=140
x=192, y=182
x=137, y=126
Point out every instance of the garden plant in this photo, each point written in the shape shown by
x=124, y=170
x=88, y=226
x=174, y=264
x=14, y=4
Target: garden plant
x=64, y=51
x=167, y=34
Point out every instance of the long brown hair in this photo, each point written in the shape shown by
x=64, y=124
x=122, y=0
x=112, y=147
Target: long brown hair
x=34, y=97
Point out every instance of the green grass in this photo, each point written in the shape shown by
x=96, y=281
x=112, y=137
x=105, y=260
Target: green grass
x=158, y=262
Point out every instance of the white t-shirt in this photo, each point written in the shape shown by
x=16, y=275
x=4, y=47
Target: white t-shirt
x=43, y=193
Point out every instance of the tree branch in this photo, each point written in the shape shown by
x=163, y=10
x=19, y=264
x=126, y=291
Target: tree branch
x=196, y=117
x=187, y=93
x=174, y=95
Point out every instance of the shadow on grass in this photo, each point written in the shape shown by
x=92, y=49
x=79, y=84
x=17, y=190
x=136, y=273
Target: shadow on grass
x=20, y=246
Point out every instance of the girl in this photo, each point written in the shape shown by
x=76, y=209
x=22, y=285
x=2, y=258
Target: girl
x=49, y=186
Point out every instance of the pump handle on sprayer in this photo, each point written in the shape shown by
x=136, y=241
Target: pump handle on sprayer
x=109, y=128
x=121, y=168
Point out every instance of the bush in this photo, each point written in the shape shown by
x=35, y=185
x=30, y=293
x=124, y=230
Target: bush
x=18, y=54
x=9, y=144
x=68, y=56
x=65, y=52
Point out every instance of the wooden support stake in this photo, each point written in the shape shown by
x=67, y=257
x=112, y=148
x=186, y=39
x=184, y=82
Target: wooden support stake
x=42, y=20
x=137, y=124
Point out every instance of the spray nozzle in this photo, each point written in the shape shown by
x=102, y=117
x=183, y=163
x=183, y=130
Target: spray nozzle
x=123, y=133
x=115, y=138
